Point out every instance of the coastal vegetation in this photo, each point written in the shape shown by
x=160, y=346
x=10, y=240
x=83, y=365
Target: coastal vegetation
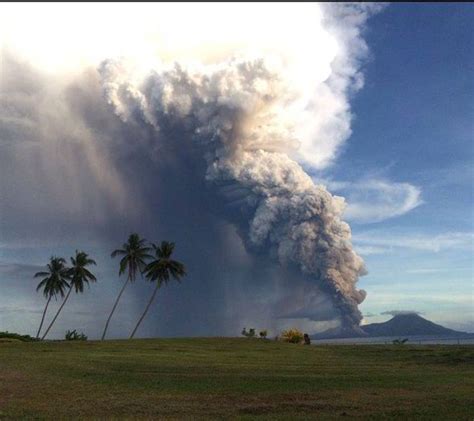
x=59, y=280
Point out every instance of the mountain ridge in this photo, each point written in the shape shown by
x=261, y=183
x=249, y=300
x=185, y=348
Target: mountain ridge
x=410, y=324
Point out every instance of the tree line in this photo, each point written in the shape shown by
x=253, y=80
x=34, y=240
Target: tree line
x=61, y=280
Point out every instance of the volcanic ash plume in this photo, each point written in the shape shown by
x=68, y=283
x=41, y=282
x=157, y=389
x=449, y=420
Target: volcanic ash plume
x=234, y=114
x=211, y=114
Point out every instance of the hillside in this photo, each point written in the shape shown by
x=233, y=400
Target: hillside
x=409, y=325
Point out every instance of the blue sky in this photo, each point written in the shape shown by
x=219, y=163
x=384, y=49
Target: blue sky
x=414, y=123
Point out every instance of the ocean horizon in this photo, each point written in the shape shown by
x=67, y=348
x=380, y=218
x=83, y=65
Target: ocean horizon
x=412, y=340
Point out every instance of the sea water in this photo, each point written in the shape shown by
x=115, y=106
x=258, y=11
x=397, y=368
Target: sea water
x=412, y=340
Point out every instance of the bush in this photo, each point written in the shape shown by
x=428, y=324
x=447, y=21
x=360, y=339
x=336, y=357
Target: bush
x=263, y=334
x=74, y=336
x=400, y=341
x=249, y=334
x=293, y=336
x=23, y=338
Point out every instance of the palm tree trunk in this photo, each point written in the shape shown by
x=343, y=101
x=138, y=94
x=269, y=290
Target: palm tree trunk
x=146, y=309
x=44, y=314
x=57, y=314
x=113, y=309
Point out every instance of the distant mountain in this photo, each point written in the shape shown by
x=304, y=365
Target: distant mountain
x=409, y=325
x=400, y=325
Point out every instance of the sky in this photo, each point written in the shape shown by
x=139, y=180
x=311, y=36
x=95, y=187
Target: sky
x=393, y=121
x=414, y=124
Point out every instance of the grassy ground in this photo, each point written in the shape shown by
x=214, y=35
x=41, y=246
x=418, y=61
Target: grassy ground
x=234, y=379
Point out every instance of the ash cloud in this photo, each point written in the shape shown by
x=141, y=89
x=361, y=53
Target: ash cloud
x=208, y=156
x=230, y=116
x=57, y=178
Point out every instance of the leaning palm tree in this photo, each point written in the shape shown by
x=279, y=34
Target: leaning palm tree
x=54, y=282
x=79, y=276
x=134, y=255
x=161, y=270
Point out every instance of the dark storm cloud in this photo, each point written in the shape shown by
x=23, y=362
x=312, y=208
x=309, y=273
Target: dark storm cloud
x=56, y=177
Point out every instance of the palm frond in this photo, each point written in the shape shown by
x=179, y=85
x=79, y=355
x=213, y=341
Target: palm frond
x=39, y=274
x=55, y=279
x=123, y=265
x=79, y=274
x=162, y=268
x=134, y=256
x=118, y=252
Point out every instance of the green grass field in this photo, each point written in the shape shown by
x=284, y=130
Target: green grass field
x=233, y=379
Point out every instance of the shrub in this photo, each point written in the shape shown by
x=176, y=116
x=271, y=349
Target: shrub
x=74, y=336
x=23, y=338
x=249, y=334
x=400, y=341
x=293, y=336
x=263, y=334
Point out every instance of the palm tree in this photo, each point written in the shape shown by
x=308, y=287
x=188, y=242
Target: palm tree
x=54, y=282
x=134, y=254
x=160, y=271
x=79, y=276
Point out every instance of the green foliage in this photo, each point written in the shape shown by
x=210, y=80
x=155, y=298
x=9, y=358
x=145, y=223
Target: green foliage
x=16, y=336
x=55, y=279
x=399, y=341
x=78, y=273
x=162, y=268
x=249, y=334
x=134, y=254
x=293, y=336
x=78, y=276
x=74, y=336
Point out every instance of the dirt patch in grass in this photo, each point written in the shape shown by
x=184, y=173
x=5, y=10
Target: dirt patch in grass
x=12, y=383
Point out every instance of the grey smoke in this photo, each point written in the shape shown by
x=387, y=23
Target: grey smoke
x=225, y=115
x=202, y=157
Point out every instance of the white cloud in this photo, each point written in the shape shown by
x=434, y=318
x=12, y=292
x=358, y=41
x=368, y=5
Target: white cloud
x=370, y=201
x=421, y=299
x=423, y=271
x=382, y=242
x=399, y=312
x=368, y=250
x=437, y=270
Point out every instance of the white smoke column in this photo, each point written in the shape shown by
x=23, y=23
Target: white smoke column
x=316, y=47
x=239, y=112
